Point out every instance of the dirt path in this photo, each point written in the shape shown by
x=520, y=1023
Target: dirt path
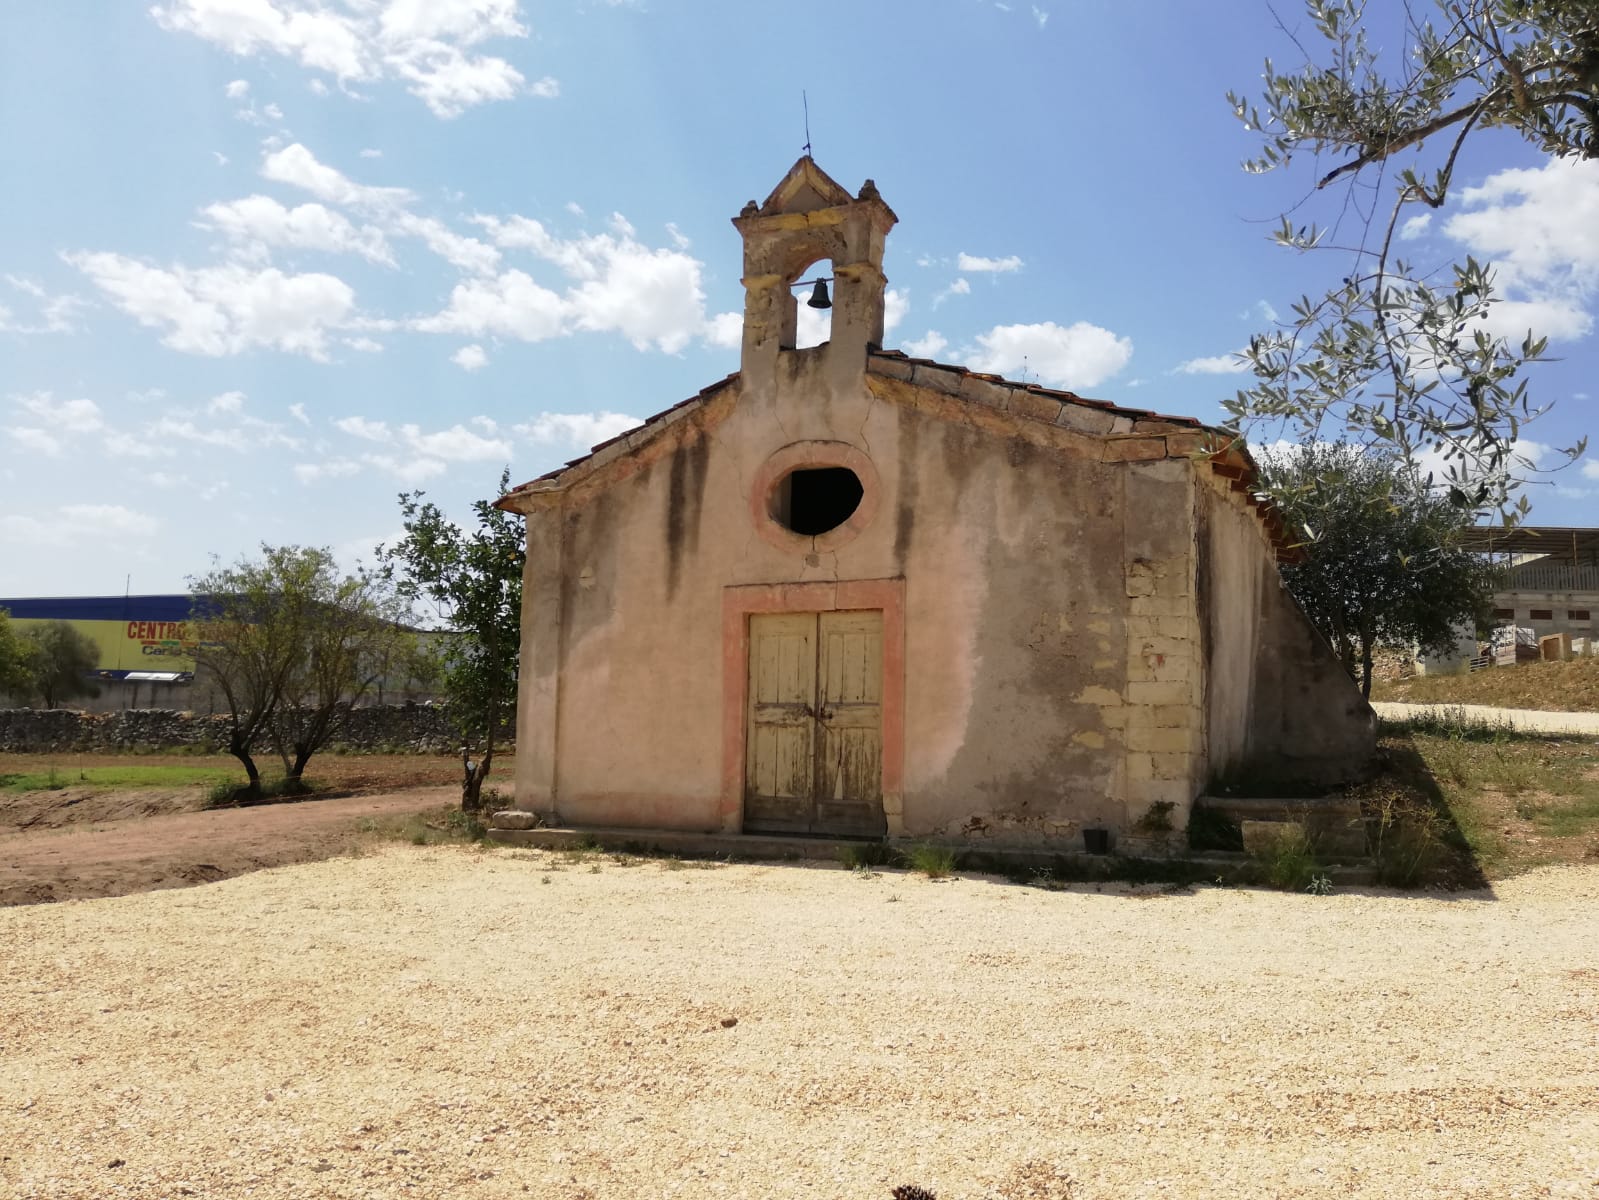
x=115, y=857
x=1532, y=720
x=482, y=1024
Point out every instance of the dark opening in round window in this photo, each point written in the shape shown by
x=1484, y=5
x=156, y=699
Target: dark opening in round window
x=813, y=500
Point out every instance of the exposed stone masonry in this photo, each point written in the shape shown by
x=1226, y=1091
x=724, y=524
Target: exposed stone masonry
x=396, y=728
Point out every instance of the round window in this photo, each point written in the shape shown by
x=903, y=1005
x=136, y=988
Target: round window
x=811, y=501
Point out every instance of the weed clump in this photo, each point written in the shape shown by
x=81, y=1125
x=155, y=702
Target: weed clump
x=1288, y=860
x=936, y=862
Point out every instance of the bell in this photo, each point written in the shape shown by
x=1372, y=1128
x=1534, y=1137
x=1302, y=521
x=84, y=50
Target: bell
x=819, y=297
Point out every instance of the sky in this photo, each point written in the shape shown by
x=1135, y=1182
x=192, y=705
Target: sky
x=266, y=264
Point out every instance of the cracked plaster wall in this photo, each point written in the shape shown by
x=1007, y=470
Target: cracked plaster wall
x=1048, y=685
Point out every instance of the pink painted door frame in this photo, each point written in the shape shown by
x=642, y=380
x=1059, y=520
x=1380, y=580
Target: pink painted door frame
x=887, y=595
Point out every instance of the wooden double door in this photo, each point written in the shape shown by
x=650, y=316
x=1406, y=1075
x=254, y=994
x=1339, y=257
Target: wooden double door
x=814, y=737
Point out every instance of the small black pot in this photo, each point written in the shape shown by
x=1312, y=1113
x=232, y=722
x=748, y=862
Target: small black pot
x=1096, y=841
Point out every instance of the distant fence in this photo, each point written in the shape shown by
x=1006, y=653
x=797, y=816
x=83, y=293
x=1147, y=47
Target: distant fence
x=379, y=728
x=1549, y=577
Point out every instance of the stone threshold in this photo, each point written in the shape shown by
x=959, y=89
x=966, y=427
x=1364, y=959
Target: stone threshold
x=742, y=847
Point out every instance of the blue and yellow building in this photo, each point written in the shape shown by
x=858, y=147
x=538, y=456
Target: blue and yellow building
x=146, y=650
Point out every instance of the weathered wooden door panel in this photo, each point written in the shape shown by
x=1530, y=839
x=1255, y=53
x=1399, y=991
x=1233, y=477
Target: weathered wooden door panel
x=814, y=742
x=781, y=753
x=849, y=768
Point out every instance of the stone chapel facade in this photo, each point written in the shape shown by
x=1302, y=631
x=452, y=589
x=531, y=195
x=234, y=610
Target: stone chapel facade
x=845, y=592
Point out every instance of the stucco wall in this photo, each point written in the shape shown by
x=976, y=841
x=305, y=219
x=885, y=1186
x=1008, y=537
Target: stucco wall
x=1052, y=672
x=1279, y=703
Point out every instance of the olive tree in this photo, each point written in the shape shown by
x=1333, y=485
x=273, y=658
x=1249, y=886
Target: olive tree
x=1383, y=563
x=57, y=661
x=15, y=680
x=471, y=579
x=292, y=644
x=1396, y=354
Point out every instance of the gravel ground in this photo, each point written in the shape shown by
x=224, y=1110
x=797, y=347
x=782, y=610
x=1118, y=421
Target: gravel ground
x=450, y=1022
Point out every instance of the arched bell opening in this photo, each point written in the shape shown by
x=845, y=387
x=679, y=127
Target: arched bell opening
x=808, y=306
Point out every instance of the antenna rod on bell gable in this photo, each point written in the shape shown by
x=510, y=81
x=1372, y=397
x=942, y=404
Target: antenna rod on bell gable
x=805, y=100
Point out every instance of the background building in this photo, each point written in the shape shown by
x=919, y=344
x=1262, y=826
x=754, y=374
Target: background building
x=146, y=656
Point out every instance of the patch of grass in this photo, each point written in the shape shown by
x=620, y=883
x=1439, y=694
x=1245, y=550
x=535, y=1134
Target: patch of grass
x=858, y=855
x=1455, y=724
x=1156, y=819
x=1457, y=804
x=56, y=777
x=1575, y=818
x=233, y=793
x=936, y=862
x=445, y=826
x=1289, y=860
x=1560, y=687
x=1209, y=829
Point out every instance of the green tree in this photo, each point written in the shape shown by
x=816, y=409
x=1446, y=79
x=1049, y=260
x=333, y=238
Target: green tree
x=1383, y=562
x=1399, y=355
x=58, y=660
x=472, y=581
x=15, y=679
x=292, y=645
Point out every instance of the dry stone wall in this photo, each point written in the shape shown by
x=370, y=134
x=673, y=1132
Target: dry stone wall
x=387, y=728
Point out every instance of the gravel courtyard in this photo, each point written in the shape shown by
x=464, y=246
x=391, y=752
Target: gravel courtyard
x=449, y=1022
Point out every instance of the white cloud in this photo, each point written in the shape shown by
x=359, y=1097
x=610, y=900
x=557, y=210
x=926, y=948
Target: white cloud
x=1041, y=16
x=371, y=152
x=238, y=89
x=575, y=430
x=1217, y=364
x=814, y=326
x=510, y=304
x=372, y=431
x=929, y=345
x=1415, y=227
x=470, y=358
x=547, y=88
x=297, y=411
x=297, y=166
x=1559, y=318
x=224, y=310
x=55, y=313
x=73, y=523
x=725, y=329
x=896, y=304
x=427, y=44
x=1540, y=229
x=1590, y=469
x=331, y=468
x=972, y=262
x=257, y=222
x=467, y=253
x=1072, y=356
x=227, y=402
x=34, y=441
x=455, y=444
x=407, y=470
x=652, y=297
x=959, y=288
x=364, y=345
x=64, y=416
